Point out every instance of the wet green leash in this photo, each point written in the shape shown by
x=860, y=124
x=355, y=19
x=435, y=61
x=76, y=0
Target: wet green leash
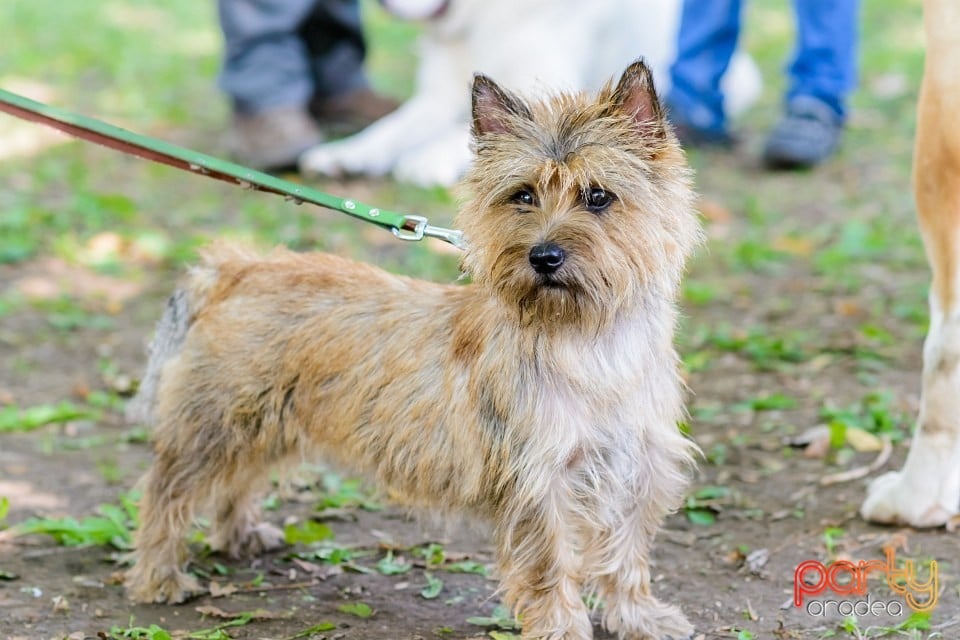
x=403, y=226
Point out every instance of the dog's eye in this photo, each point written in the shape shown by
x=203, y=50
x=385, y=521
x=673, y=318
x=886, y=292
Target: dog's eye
x=596, y=199
x=524, y=196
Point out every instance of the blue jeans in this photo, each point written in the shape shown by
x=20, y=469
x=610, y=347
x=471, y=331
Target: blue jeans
x=285, y=52
x=824, y=63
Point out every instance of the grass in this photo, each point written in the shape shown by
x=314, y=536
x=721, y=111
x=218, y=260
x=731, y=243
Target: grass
x=116, y=70
x=113, y=527
x=166, y=87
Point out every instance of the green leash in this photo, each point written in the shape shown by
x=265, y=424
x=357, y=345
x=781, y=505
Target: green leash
x=403, y=226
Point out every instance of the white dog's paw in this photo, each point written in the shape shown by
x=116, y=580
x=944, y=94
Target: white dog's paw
x=342, y=158
x=427, y=170
x=439, y=162
x=891, y=501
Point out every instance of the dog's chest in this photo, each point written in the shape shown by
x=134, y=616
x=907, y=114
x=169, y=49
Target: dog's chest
x=593, y=393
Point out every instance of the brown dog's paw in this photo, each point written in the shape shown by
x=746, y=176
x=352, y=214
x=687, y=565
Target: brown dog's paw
x=153, y=585
x=250, y=541
x=649, y=620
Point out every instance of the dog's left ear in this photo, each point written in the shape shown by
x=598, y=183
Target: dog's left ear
x=636, y=97
x=493, y=107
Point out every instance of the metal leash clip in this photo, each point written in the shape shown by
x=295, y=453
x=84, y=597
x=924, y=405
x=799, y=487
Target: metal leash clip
x=422, y=227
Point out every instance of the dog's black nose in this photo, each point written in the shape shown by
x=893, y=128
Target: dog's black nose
x=546, y=257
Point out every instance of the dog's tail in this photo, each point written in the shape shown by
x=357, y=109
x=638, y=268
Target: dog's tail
x=171, y=331
x=167, y=340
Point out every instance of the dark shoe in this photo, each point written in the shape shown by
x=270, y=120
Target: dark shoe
x=272, y=140
x=692, y=137
x=350, y=112
x=807, y=134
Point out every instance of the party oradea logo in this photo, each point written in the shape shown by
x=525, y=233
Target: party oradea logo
x=814, y=582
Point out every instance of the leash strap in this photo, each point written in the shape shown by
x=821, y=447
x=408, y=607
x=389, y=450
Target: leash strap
x=403, y=226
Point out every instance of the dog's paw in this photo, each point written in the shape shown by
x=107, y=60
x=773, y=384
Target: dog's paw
x=156, y=584
x=651, y=620
x=343, y=158
x=427, y=171
x=263, y=537
x=441, y=162
x=890, y=501
x=251, y=540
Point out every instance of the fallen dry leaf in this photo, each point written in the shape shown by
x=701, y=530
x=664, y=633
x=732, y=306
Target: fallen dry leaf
x=793, y=245
x=713, y=211
x=256, y=614
x=847, y=307
x=217, y=591
x=61, y=605
x=863, y=441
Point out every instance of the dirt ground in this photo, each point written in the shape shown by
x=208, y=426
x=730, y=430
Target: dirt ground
x=775, y=337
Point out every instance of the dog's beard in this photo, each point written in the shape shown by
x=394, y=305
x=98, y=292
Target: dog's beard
x=556, y=301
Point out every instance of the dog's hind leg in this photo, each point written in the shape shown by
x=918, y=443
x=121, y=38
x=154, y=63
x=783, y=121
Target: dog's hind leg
x=238, y=529
x=926, y=492
x=172, y=492
x=199, y=456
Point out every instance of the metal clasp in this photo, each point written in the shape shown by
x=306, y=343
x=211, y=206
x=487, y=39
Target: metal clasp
x=422, y=227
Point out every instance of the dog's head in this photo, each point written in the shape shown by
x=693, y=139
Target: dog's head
x=577, y=208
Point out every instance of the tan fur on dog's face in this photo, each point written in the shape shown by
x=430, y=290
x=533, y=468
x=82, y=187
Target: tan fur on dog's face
x=536, y=176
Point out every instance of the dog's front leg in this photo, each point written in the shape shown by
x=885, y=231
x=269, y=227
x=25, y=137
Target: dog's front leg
x=617, y=566
x=926, y=492
x=438, y=162
x=540, y=571
x=438, y=103
x=375, y=150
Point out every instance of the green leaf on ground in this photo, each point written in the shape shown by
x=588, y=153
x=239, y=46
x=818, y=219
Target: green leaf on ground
x=466, y=566
x=307, y=532
x=153, y=632
x=13, y=418
x=359, y=609
x=702, y=517
x=310, y=631
x=390, y=566
x=433, y=588
x=500, y=618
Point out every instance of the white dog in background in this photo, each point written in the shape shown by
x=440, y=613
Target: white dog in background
x=529, y=45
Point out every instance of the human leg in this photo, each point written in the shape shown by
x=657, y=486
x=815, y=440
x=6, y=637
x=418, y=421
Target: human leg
x=267, y=75
x=342, y=101
x=821, y=75
x=706, y=41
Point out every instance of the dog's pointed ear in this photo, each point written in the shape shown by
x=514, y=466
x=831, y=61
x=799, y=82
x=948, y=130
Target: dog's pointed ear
x=636, y=97
x=493, y=107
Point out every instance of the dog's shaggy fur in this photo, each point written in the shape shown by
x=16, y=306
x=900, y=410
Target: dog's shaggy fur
x=544, y=397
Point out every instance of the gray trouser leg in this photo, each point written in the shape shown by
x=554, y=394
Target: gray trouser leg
x=282, y=52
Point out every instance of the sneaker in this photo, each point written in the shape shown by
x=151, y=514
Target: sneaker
x=692, y=135
x=349, y=112
x=807, y=134
x=272, y=140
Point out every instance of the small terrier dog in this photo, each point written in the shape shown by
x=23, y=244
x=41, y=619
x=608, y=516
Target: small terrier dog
x=543, y=397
